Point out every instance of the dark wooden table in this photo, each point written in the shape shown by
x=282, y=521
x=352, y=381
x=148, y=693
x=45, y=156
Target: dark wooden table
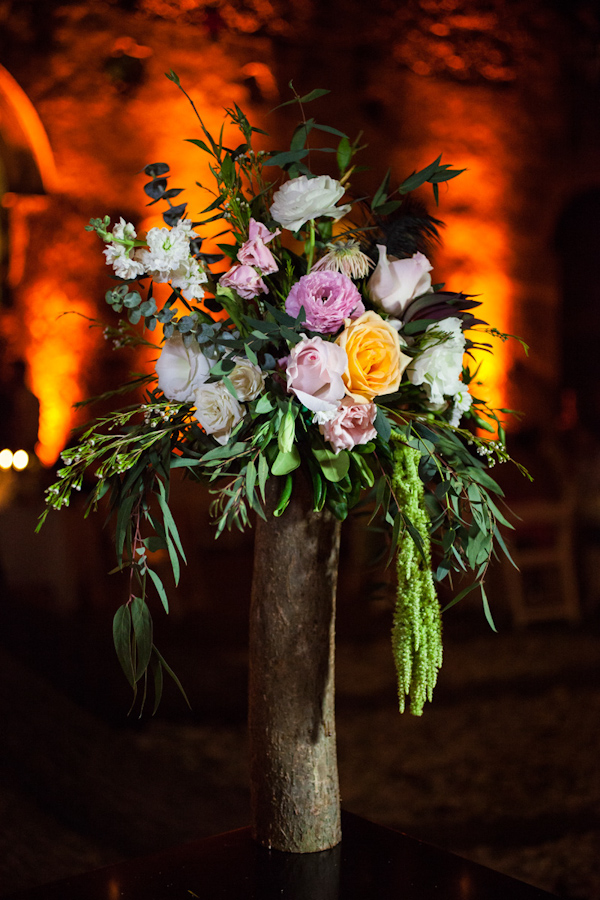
x=371, y=863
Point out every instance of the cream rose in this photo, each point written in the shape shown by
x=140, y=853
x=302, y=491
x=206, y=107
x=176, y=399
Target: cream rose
x=247, y=379
x=301, y=199
x=375, y=359
x=180, y=369
x=217, y=410
x=396, y=281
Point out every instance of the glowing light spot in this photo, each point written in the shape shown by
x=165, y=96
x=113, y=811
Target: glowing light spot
x=6, y=459
x=20, y=460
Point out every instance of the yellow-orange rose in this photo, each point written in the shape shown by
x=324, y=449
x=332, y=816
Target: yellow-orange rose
x=375, y=360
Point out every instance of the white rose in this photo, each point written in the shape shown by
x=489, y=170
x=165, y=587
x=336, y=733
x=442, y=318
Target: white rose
x=302, y=198
x=396, y=281
x=217, y=410
x=181, y=370
x=439, y=365
x=247, y=379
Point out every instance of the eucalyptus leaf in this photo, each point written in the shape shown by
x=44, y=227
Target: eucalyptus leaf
x=286, y=462
x=160, y=589
x=333, y=465
x=142, y=629
x=122, y=641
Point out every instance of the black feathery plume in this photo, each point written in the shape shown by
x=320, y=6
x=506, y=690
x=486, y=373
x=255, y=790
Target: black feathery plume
x=408, y=230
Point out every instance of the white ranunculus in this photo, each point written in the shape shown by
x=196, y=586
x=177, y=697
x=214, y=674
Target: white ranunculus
x=247, y=379
x=438, y=367
x=217, y=410
x=301, y=199
x=396, y=281
x=181, y=370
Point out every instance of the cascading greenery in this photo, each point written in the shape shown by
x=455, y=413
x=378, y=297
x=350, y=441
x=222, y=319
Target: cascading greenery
x=417, y=627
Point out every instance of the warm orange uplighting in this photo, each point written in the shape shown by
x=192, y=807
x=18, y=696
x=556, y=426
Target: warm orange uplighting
x=471, y=130
x=59, y=347
x=25, y=130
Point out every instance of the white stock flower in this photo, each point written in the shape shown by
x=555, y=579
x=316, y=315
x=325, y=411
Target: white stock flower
x=247, y=379
x=439, y=364
x=302, y=198
x=168, y=250
x=181, y=370
x=462, y=402
x=217, y=411
x=124, y=231
x=396, y=281
x=124, y=266
x=119, y=256
x=188, y=278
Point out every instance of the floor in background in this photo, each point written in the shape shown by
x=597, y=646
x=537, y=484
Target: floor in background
x=502, y=768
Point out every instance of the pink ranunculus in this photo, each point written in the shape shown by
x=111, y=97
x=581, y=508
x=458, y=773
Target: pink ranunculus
x=396, y=281
x=245, y=280
x=351, y=425
x=314, y=373
x=328, y=298
x=254, y=252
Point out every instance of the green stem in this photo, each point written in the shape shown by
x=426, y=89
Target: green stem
x=310, y=246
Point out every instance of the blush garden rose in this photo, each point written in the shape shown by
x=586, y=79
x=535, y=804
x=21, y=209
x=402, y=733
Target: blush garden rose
x=396, y=281
x=314, y=373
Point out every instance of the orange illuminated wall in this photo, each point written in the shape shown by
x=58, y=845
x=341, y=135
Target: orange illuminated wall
x=470, y=127
x=56, y=267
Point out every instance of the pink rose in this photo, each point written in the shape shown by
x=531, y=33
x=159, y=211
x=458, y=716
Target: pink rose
x=314, y=373
x=351, y=425
x=328, y=298
x=245, y=280
x=254, y=252
x=396, y=281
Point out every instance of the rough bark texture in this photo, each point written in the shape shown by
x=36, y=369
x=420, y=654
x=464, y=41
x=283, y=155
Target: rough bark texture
x=294, y=779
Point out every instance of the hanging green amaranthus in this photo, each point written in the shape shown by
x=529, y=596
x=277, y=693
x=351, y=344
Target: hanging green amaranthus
x=417, y=628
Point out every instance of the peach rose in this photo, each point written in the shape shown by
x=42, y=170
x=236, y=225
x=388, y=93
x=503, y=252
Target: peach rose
x=375, y=359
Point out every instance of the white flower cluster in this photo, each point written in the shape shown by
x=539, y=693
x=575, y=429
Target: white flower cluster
x=183, y=374
x=439, y=366
x=167, y=257
x=120, y=251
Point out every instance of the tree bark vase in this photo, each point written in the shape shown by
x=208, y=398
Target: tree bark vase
x=293, y=760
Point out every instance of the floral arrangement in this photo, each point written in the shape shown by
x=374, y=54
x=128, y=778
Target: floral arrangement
x=325, y=347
